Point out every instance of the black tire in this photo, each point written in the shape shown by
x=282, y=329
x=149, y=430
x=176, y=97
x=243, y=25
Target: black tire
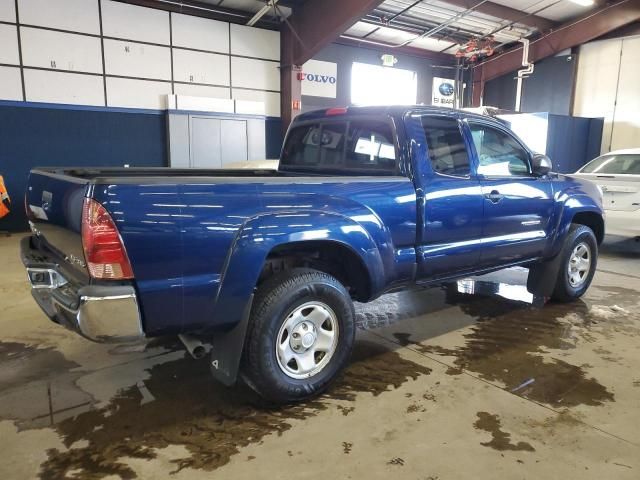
x=276, y=298
x=564, y=291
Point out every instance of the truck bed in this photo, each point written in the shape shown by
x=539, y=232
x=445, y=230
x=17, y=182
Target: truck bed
x=137, y=172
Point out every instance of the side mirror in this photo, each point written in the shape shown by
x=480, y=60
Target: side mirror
x=541, y=164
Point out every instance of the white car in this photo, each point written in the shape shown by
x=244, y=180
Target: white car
x=618, y=175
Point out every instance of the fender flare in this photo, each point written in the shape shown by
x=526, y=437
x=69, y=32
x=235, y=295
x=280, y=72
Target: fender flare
x=569, y=206
x=249, y=250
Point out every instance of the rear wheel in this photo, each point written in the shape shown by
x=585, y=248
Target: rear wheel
x=578, y=262
x=300, y=336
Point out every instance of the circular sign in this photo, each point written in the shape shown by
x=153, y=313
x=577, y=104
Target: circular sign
x=446, y=89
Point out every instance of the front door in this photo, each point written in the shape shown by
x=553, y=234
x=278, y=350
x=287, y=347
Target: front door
x=517, y=204
x=450, y=238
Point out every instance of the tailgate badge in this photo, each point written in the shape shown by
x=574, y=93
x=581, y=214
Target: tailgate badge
x=73, y=260
x=47, y=198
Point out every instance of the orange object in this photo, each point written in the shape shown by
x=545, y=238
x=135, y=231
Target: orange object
x=5, y=201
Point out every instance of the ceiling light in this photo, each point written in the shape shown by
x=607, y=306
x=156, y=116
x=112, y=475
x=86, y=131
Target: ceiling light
x=583, y=3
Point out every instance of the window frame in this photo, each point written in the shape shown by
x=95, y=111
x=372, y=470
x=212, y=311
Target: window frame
x=469, y=122
x=346, y=119
x=460, y=124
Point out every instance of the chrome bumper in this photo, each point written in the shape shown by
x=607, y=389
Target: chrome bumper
x=106, y=314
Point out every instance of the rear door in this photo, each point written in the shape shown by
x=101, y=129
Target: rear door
x=619, y=177
x=450, y=237
x=517, y=204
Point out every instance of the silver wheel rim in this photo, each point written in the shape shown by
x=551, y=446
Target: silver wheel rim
x=579, y=265
x=307, y=340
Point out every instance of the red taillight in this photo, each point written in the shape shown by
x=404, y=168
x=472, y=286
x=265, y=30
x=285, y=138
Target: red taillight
x=103, y=250
x=336, y=111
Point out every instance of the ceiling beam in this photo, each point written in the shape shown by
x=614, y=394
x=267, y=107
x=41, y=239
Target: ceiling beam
x=571, y=34
x=206, y=10
x=316, y=24
x=444, y=58
x=506, y=13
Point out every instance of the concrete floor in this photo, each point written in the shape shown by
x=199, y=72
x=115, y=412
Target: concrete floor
x=466, y=381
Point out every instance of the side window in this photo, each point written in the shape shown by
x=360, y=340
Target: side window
x=614, y=165
x=498, y=153
x=370, y=146
x=445, y=146
x=303, y=146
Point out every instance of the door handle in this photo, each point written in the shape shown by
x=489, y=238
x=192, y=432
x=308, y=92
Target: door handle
x=494, y=197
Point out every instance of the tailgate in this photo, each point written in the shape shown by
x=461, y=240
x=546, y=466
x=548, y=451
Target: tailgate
x=54, y=206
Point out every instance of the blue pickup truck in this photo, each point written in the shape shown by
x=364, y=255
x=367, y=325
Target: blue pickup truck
x=264, y=265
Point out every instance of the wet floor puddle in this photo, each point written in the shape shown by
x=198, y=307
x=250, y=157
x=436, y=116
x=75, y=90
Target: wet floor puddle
x=518, y=345
x=500, y=440
x=180, y=405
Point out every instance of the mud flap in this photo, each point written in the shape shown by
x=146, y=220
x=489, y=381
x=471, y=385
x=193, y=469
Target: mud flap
x=226, y=350
x=543, y=276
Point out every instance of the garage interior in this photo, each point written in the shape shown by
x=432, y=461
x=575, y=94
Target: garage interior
x=477, y=377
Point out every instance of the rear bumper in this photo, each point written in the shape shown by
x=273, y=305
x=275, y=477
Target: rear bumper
x=106, y=314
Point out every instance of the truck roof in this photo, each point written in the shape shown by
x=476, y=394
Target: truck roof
x=392, y=110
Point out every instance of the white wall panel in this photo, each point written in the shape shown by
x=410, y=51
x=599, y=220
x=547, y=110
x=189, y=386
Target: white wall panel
x=250, y=106
x=135, y=23
x=59, y=87
x=250, y=73
x=204, y=104
x=75, y=15
x=596, y=83
x=9, y=44
x=7, y=11
x=64, y=51
x=200, y=33
x=255, y=42
x=271, y=100
x=132, y=59
x=199, y=67
x=626, y=121
x=202, y=91
x=124, y=92
x=10, y=83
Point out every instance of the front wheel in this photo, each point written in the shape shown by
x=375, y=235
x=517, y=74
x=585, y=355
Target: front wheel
x=300, y=336
x=579, y=259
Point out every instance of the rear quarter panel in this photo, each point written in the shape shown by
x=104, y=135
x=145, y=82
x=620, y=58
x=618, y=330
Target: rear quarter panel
x=197, y=246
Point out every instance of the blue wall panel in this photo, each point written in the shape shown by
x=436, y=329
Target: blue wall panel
x=33, y=136
x=273, y=137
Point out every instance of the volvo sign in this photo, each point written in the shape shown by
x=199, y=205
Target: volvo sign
x=319, y=78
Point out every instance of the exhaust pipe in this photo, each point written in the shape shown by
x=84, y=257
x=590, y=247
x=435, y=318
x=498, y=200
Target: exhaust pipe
x=194, y=346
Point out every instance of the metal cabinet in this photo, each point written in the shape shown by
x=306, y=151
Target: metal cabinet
x=209, y=141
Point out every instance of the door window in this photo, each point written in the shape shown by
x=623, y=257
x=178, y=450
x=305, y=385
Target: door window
x=499, y=154
x=445, y=146
x=626, y=164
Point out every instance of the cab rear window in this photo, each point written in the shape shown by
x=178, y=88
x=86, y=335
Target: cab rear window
x=349, y=147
